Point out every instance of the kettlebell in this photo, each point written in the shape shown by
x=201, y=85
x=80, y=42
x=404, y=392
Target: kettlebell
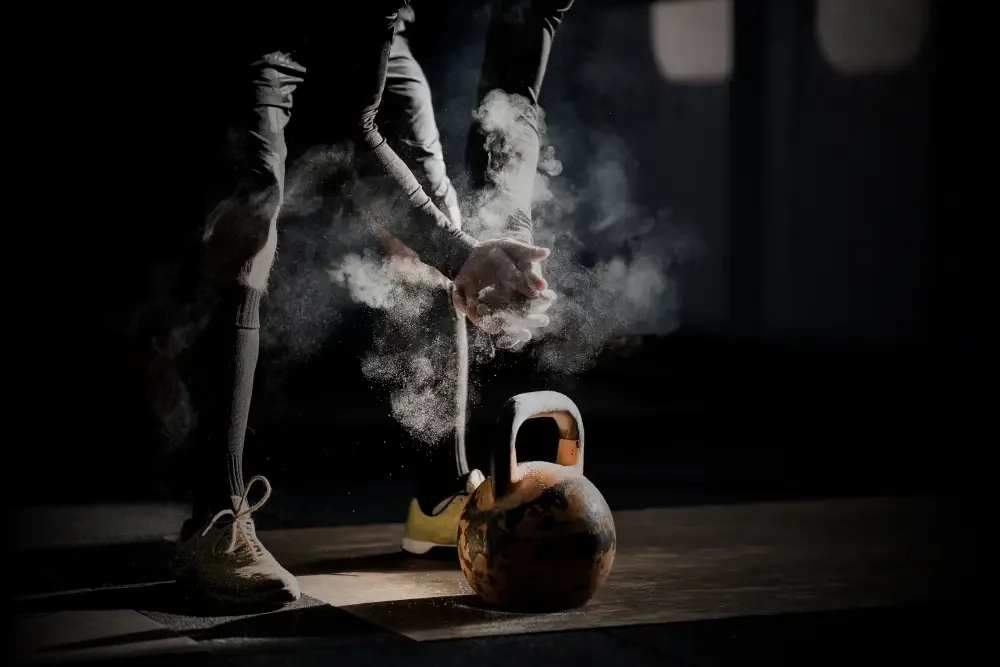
x=537, y=536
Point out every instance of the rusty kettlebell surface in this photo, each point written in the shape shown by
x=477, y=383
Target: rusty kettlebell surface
x=537, y=535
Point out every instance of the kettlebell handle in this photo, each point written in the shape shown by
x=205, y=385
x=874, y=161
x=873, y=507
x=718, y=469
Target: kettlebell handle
x=533, y=405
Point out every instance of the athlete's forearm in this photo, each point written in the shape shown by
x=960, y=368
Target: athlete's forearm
x=424, y=228
x=518, y=45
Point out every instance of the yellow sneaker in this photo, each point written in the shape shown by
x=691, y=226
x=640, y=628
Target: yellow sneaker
x=440, y=528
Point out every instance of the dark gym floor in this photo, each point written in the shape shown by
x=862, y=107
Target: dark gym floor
x=817, y=521
x=865, y=581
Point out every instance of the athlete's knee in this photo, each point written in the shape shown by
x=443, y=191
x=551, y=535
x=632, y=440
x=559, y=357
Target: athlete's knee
x=241, y=232
x=255, y=272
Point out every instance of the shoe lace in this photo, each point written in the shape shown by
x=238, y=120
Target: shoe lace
x=241, y=523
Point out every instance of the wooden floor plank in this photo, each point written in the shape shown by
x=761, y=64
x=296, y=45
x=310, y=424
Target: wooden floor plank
x=676, y=564
x=84, y=635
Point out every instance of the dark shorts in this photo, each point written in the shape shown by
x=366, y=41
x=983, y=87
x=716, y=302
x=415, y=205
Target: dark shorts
x=252, y=84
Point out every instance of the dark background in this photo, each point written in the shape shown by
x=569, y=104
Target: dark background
x=823, y=345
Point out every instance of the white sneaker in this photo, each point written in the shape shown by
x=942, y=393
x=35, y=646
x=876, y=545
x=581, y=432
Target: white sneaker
x=225, y=559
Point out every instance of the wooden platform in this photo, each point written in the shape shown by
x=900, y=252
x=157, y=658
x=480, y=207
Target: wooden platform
x=756, y=562
x=673, y=565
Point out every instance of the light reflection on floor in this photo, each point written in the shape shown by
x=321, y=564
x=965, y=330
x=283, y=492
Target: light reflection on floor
x=674, y=564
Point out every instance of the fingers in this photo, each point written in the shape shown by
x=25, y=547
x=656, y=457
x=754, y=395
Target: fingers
x=522, y=253
x=537, y=278
x=472, y=309
x=512, y=331
x=496, y=298
x=527, y=258
x=542, y=302
x=513, y=340
x=515, y=330
x=500, y=298
x=516, y=345
x=491, y=324
x=508, y=323
x=536, y=281
x=510, y=264
x=514, y=310
x=483, y=317
x=512, y=322
x=501, y=290
x=492, y=298
x=523, y=283
x=518, y=280
x=472, y=306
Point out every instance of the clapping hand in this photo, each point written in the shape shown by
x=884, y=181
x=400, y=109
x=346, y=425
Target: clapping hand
x=500, y=289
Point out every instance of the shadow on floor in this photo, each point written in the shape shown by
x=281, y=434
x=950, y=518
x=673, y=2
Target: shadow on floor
x=422, y=614
x=194, y=619
x=437, y=560
x=92, y=566
x=165, y=597
x=144, y=569
x=877, y=636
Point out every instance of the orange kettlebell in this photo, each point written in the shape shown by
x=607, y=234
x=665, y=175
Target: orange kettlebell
x=537, y=535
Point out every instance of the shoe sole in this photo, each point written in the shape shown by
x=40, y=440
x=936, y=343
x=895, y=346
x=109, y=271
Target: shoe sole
x=283, y=596
x=274, y=596
x=421, y=547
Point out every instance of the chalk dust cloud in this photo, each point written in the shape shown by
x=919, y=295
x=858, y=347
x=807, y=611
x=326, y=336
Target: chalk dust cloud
x=610, y=265
x=611, y=259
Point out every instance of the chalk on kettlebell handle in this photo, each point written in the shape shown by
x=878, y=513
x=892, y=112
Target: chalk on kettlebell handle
x=537, y=535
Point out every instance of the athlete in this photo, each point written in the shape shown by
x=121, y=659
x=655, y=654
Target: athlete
x=496, y=283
